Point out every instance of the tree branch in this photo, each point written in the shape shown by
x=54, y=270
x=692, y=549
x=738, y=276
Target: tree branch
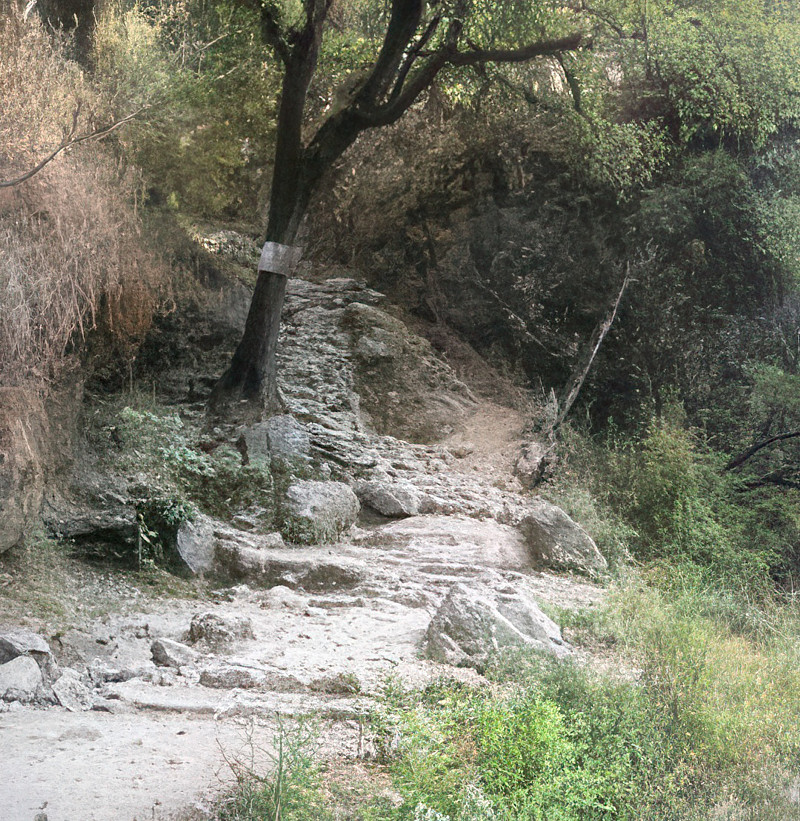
x=579, y=377
x=406, y=17
x=69, y=141
x=774, y=478
x=522, y=54
x=413, y=55
x=272, y=31
x=745, y=455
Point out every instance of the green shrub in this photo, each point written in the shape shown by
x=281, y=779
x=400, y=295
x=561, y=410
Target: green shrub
x=217, y=483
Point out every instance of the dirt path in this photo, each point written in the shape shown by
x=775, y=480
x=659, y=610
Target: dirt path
x=155, y=743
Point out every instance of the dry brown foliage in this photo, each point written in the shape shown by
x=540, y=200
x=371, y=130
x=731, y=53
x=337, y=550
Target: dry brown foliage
x=71, y=253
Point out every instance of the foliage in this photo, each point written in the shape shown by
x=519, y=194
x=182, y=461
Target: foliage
x=707, y=725
x=159, y=446
x=200, y=68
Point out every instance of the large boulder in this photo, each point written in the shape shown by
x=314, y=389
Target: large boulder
x=21, y=471
x=555, y=541
x=316, y=512
x=472, y=623
x=21, y=680
x=16, y=642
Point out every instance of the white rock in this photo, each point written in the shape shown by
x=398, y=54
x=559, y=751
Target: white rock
x=320, y=511
x=219, y=630
x=71, y=692
x=169, y=653
x=20, y=680
x=556, y=541
x=196, y=543
x=395, y=499
x=472, y=623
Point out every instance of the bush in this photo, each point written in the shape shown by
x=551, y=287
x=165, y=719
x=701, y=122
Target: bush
x=71, y=258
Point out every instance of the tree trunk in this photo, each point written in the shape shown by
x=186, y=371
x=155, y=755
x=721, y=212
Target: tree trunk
x=251, y=377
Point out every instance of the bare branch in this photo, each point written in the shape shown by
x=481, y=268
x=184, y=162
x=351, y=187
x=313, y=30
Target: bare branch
x=69, y=141
x=579, y=377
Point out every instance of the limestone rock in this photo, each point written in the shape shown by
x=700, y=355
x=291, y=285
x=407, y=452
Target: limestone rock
x=231, y=676
x=534, y=462
x=169, y=653
x=20, y=680
x=282, y=597
x=248, y=677
x=290, y=568
x=319, y=511
x=219, y=630
x=16, y=642
x=20, y=642
x=279, y=437
x=336, y=684
x=405, y=389
x=394, y=499
x=557, y=542
x=472, y=623
x=195, y=544
x=71, y=692
x=455, y=539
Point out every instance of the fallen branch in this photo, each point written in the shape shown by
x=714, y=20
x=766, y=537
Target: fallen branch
x=539, y=456
x=69, y=141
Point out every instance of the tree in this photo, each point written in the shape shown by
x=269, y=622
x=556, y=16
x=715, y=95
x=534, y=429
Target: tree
x=420, y=41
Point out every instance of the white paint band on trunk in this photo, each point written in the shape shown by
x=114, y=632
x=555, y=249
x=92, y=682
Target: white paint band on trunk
x=280, y=259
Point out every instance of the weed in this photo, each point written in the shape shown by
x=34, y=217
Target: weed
x=290, y=791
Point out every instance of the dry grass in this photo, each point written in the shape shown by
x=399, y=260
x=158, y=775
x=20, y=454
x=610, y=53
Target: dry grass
x=71, y=254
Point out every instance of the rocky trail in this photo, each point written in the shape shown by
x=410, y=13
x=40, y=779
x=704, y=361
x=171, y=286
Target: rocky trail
x=434, y=558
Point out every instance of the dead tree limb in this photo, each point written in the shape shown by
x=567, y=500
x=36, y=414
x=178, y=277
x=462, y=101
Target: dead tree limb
x=69, y=141
x=539, y=456
x=575, y=383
